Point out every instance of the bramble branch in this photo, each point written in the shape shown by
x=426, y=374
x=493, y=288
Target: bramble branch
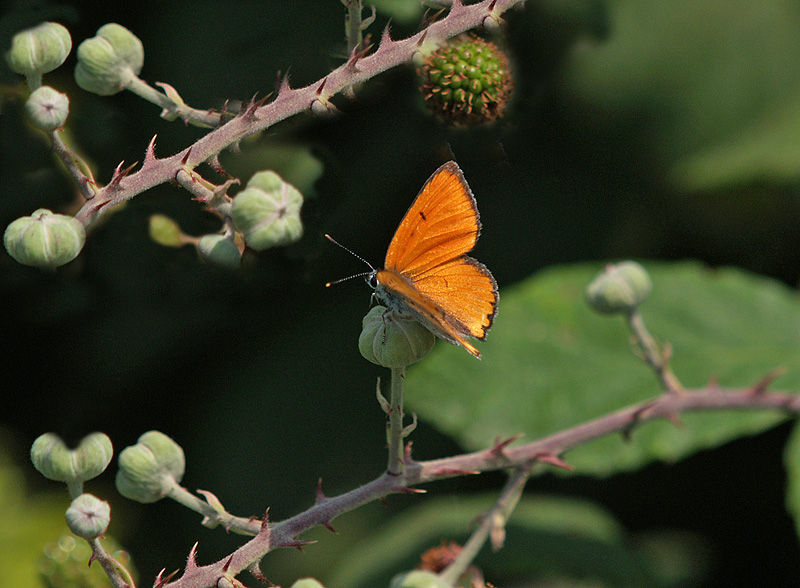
x=290, y=101
x=547, y=450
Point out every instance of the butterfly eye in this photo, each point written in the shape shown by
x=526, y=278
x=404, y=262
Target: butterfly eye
x=372, y=279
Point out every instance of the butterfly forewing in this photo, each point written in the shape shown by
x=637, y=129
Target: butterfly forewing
x=442, y=224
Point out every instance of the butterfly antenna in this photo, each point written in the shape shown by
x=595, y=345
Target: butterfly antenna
x=356, y=255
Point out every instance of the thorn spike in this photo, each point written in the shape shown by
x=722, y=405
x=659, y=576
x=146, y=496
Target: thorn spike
x=554, y=461
x=386, y=36
x=264, y=523
x=150, y=152
x=226, y=566
x=320, y=495
x=191, y=561
x=499, y=447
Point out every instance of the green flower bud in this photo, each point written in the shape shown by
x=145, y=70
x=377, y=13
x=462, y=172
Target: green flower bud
x=151, y=468
x=39, y=50
x=307, y=583
x=65, y=563
x=220, y=251
x=392, y=340
x=44, y=239
x=47, y=108
x=56, y=461
x=466, y=81
x=109, y=61
x=165, y=231
x=267, y=211
x=418, y=579
x=619, y=288
x=88, y=516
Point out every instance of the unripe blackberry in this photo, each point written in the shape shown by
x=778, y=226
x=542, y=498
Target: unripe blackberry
x=466, y=81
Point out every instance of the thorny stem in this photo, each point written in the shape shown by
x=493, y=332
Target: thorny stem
x=171, y=103
x=74, y=164
x=492, y=523
x=289, y=102
x=120, y=577
x=395, y=425
x=652, y=352
x=213, y=516
x=665, y=406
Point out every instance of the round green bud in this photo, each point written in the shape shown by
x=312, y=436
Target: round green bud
x=47, y=108
x=109, y=61
x=44, y=239
x=88, y=516
x=56, y=461
x=418, y=579
x=39, y=50
x=619, y=288
x=307, y=583
x=220, y=251
x=165, y=231
x=267, y=212
x=392, y=340
x=151, y=468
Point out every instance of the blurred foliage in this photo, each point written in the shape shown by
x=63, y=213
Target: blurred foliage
x=30, y=519
x=639, y=128
x=554, y=363
x=547, y=538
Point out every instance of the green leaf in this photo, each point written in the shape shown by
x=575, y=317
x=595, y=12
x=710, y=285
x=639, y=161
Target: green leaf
x=550, y=363
x=29, y=521
x=403, y=11
x=764, y=150
x=546, y=537
x=712, y=83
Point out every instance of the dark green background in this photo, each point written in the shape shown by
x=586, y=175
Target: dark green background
x=258, y=376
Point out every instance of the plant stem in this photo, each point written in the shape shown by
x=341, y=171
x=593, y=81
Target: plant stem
x=353, y=24
x=288, y=102
x=652, y=352
x=395, y=432
x=668, y=404
x=492, y=523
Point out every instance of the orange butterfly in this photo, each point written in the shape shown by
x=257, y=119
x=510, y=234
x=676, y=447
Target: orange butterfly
x=427, y=272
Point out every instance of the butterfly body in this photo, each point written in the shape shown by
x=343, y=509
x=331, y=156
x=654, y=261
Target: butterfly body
x=427, y=273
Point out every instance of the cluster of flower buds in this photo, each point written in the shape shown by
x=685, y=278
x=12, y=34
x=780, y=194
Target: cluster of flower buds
x=39, y=50
x=267, y=212
x=149, y=470
x=110, y=61
x=87, y=516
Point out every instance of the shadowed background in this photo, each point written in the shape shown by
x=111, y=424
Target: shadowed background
x=654, y=130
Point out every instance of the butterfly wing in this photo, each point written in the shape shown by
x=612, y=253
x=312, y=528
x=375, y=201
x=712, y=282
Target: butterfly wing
x=426, y=263
x=441, y=225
